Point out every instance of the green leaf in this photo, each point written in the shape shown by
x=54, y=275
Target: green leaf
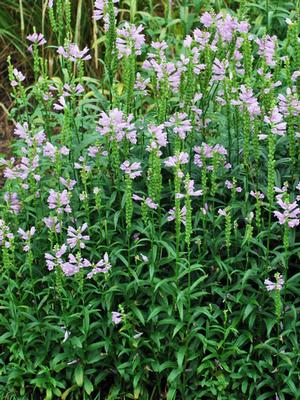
x=137, y=312
x=49, y=394
x=248, y=310
x=68, y=391
x=88, y=386
x=174, y=375
x=244, y=386
x=76, y=342
x=155, y=312
x=171, y=395
x=79, y=375
x=180, y=356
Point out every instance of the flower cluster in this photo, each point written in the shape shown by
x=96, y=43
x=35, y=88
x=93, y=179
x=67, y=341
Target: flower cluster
x=278, y=285
x=101, y=11
x=59, y=201
x=129, y=40
x=206, y=151
x=72, y=53
x=5, y=234
x=116, y=126
x=132, y=170
x=290, y=213
x=37, y=39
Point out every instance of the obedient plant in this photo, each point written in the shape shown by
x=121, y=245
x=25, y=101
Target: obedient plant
x=144, y=213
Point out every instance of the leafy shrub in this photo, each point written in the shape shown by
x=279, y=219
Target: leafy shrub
x=149, y=218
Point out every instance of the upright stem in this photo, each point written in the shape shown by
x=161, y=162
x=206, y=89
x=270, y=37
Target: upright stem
x=267, y=12
x=21, y=17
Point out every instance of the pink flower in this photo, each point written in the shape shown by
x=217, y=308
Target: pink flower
x=36, y=139
x=49, y=151
x=93, y=151
x=52, y=223
x=180, y=124
x=83, y=196
x=243, y=27
x=117, y=126
x=289, y=104
x=72, y=53
x=64, y=151
x=219, y=69
x=129, y=40
x=257, y=195
x=267, y=47
x=144, y=258
x=13, y=202
x=61, y=105
x=290, y=214
x=207, y=19
x=221, y=212
x=247, y=99
x=171, y=215
x=56, y=260
x=82, y=165
x=112, y=123
x=278, y=285
x=262, y=136
x=150, y=203
x=102, y=266
x=228, y=184
x=190, y=189
x=99, y=9
x=116, y=317
x=59, y=201
x=5, y=235
x=280, y=190
x=206, y=151
x=26, y=236
x=163, y=70
x=36, y=38
x=159, y=45
x=76, y=237
x=141, y=84
x=158, y=137
x=201, y=38
x=22, y=131
x=135, y=197
x=227, y=26
x=19, y=77
x=205, y=209
x=100, y=12
x=74, y=265
x=72, y=90
x=136, y=236
x=179, y=159
x=275, y=120
x=132, y=170
x=68, y=183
